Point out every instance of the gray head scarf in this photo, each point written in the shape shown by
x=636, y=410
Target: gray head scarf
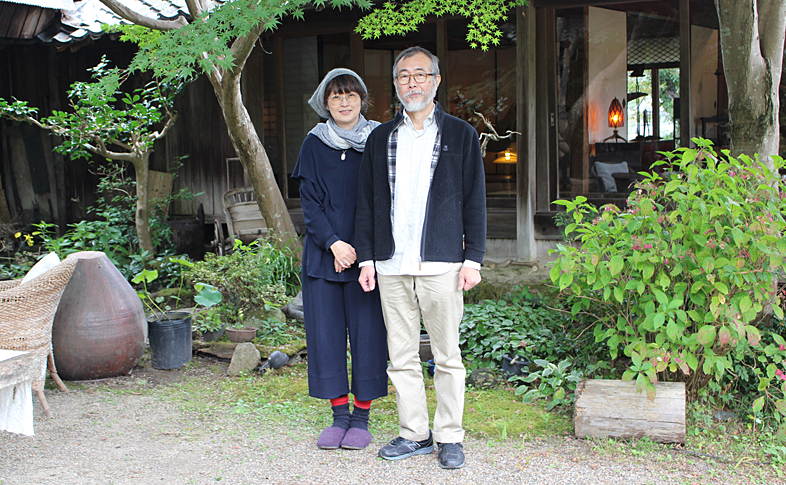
x=330, y=133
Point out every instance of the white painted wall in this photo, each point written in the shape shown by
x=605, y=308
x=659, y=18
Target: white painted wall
x=703, y=82
x=607, y=57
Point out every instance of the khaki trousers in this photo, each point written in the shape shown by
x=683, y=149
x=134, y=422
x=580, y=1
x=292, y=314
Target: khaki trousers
x=404, y=299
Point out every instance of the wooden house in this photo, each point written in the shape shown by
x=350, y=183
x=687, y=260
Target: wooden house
x=553, y=78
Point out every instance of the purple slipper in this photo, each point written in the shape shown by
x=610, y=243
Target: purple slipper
x=356, y=439
x=330, y=438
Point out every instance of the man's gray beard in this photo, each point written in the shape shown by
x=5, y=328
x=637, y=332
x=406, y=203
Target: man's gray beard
x=413, y=106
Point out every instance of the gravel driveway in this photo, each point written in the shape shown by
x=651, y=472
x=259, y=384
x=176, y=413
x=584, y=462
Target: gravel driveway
x=106, y=433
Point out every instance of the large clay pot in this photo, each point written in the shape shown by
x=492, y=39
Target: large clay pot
x=100, y=327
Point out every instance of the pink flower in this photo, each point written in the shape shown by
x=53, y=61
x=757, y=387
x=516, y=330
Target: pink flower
x=667, y=261
x=732, y=173
x=707, y=232
x=780, y=375
x=782, y=347
x=648, y=246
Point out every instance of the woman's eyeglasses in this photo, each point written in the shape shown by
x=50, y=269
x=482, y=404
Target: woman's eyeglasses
x=350, y=98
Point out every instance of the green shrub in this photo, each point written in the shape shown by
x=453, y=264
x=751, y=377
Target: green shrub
x=252, y=276
x=679, y=281
x=522, y=323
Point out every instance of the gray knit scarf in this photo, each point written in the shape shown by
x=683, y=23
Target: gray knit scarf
x=340, y=139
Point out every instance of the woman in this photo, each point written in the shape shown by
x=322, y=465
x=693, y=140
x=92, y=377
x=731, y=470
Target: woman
x=333, y=302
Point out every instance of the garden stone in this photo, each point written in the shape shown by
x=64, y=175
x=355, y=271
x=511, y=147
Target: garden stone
x=244, y=360
x=294, y=309
x=724, y=415
x=482, y=378
x=257, y=317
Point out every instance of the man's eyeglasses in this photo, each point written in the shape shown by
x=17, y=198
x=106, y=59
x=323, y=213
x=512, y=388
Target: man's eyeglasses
x=350, y=98
x=420, y=77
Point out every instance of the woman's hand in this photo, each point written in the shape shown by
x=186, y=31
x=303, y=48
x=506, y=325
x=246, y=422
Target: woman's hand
x=343, y=254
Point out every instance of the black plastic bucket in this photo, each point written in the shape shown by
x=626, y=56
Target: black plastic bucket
x=170, y=340
x=514, y=365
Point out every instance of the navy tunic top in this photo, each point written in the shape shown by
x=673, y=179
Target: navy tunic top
x=328, y=193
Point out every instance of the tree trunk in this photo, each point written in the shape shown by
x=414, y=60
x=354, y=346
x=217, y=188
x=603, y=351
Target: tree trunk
x=252, y=155
x=752, y=37
x=142, y=217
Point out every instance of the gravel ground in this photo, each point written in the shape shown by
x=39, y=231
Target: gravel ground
x=120, y=432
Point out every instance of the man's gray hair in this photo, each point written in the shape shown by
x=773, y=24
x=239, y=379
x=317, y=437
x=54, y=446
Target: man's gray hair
x=411, y=51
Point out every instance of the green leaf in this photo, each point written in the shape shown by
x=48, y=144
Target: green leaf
x=673, y=332
x=146, y=275
x=565, y=280
x=691, y=360
x=616, y=264
x=745, y=303
x=661, y=297
x=636, y=359
x=754, y=336
x=619, y=294
x=758, y=404
x=706, y=335
x=660, y=319
x=724, y=335
x=721, y=287
x=208, y=296
x=708, y=264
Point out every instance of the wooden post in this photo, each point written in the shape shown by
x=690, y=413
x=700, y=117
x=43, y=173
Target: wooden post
x=442, y=54
x=685, y=65
x=278, y=62
x=526, y=78
x=612, y=408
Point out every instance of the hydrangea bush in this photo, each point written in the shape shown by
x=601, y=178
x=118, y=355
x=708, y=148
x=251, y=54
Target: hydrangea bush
x=682, y=280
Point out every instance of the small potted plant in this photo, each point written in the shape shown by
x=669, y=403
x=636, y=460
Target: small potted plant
x=169, y=331
x=237, y=332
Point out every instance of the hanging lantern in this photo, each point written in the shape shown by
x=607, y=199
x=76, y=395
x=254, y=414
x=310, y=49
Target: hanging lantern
x=616, y=115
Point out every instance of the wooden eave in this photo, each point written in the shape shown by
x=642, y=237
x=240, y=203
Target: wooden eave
x=24, y=22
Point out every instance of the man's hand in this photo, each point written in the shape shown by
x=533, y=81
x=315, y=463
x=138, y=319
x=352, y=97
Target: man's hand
x=468, y=278
x=366, y=280
x=344, y=254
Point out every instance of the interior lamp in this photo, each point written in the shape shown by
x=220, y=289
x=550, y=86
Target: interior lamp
x=506, y=157
x=616, y=119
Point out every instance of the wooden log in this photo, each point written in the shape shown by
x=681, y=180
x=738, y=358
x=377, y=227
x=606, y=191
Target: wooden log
x=612, y=408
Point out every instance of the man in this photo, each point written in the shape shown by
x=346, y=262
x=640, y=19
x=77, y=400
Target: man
x=421, y=227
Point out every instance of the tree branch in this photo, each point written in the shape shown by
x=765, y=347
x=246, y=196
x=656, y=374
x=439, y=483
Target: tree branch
x=195, y=7
x=121, y=144
x=160, y=134
x=138, y=19
x=241, y=49
x=101, y=149
x=772, y=17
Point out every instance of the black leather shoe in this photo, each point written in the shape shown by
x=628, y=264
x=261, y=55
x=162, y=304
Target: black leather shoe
x=451, y=455
x=401, y=448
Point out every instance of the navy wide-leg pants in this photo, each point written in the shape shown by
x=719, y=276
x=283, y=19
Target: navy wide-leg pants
x=332, y=311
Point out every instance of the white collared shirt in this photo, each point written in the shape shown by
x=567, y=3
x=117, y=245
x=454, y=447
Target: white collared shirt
x=414, y=153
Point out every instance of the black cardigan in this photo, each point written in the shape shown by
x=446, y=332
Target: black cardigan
x=455, y=222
